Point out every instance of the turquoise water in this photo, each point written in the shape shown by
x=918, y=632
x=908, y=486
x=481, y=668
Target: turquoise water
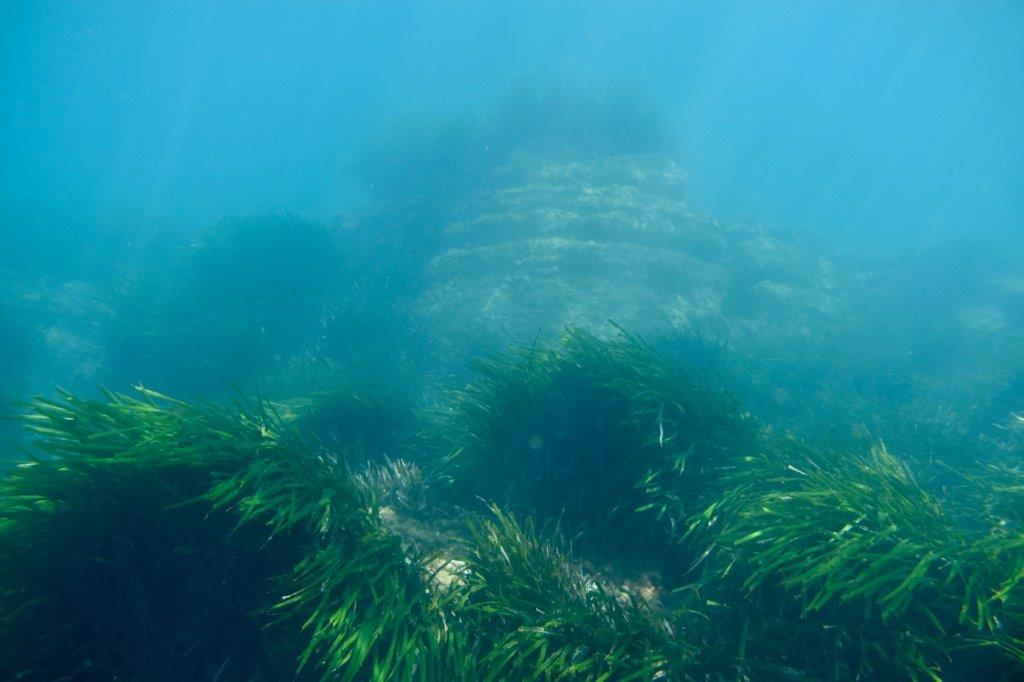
x=816, y=206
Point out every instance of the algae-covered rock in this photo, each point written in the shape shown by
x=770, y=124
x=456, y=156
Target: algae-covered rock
x=54, y=328
x=545, y=242
x=940, y=348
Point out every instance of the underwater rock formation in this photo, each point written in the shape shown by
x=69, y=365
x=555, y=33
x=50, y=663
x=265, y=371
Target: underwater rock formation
x=60, y=325
x=545, y=242
x=938, y=351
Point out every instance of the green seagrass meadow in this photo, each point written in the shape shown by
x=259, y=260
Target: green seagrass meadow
x=498, y=536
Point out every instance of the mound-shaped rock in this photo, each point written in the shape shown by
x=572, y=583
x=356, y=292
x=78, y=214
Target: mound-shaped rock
x=543, y=243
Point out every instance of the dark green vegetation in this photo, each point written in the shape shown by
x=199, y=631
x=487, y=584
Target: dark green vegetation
x=789, y=551
x=264, y=301
x=263, y=283
x=583, y=432
x=363, y=425
x=154, y=539
x=546, y=619
x=437, y=159
x=855, y=554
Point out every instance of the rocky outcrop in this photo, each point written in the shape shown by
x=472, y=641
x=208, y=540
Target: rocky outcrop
x=544, y=243
x=57, y=332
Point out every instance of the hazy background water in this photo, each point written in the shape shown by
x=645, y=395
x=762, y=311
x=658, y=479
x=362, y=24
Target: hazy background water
x=895, y=120
x=885, y=133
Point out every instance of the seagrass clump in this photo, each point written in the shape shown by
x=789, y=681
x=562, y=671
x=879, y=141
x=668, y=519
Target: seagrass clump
x=148, y=538
x=786, y=558
x=538, y=616
x=367, y=426
x=246, y=294
x=580, y=431
x=822, y=551
x=153, y=539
